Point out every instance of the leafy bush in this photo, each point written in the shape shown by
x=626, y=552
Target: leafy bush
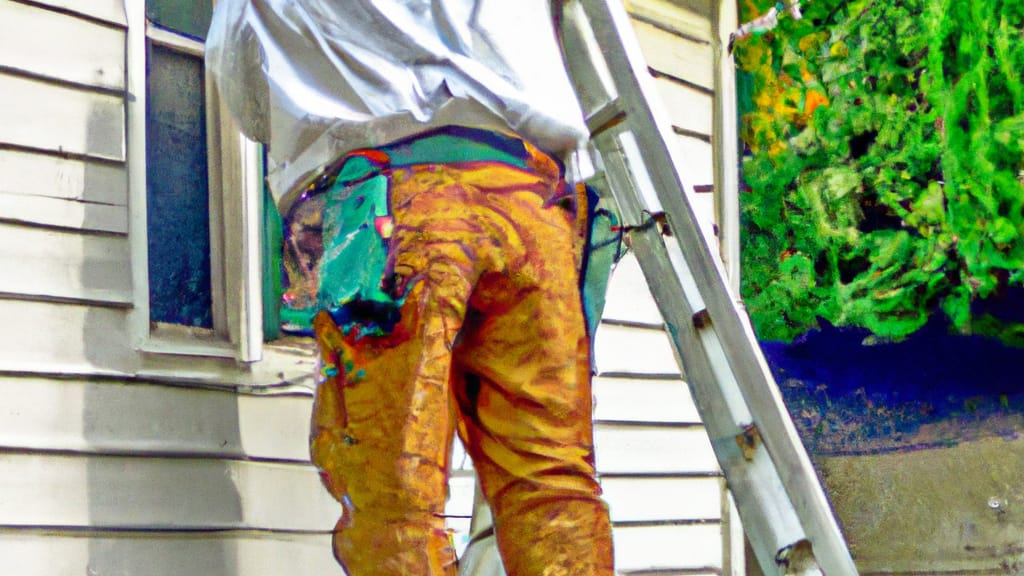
x=886, y=165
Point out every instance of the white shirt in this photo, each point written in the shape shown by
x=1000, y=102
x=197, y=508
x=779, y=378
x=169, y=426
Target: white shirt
x=316, y=78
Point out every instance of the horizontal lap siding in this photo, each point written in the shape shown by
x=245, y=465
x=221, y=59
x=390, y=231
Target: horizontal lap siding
x=681, y=101
x=123, y=476
x=102, y=553
x=42, y=336
x=650, y=449
x=697, y=164
x=58, y=213
x=675, y=38
x=72, y=193
x=32, y=174
x=61, y=119
x=688, y=59
x=668, y=548
x=109, y=417
x=113, y=455
x=135, y=492
x=63, y=185
x=107, y=11
x=628, y=297
x=659, y=473
x=207, y=475
x=87, y=52
x=67, y=265
x=659, y=499
x=634, y=350
x=665, y=400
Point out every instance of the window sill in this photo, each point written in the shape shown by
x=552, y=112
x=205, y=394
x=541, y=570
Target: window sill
x=186, y=341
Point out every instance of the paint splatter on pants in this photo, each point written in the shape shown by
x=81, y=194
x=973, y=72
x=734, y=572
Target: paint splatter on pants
x=491, y=343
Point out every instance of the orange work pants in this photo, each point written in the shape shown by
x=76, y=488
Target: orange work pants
x=491, y=342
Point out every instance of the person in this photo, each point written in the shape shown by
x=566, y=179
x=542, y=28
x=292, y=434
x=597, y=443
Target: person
x=426, y=141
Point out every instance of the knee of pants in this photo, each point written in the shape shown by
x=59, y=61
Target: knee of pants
x=387, y=546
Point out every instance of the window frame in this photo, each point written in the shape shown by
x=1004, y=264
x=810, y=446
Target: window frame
x=236, y=196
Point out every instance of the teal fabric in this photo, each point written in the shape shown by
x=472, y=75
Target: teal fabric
x=355, y=255
x=447, y=149
x=604, y=248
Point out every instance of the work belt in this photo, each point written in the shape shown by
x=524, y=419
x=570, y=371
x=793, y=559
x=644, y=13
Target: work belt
x=352, y=193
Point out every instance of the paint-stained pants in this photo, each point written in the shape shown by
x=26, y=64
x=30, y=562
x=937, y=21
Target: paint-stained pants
x=491, y=343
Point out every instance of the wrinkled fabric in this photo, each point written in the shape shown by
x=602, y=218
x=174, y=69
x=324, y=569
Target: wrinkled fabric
x=490, y=342
x=317, y=78
x=335, y=252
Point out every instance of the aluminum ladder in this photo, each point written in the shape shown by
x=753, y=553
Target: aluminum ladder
x=781, y=503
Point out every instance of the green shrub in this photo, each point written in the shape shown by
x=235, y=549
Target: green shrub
x=886, y=165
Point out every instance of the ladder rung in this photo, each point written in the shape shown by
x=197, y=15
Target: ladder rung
x=605, y=117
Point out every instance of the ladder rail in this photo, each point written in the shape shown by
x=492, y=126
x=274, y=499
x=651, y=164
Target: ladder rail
x=738, y=397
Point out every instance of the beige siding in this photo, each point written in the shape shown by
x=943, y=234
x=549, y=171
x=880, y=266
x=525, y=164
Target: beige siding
x=659, y=473
x=684, y=105
x=41, y=336
x=89, y=53
x=61, y=119
x=680, y=549
x=141, y=492
x=658, y=469
x=686, y=18
x=653, y=449
x=629, y=299
x=208, y=475
x=63, y=191
x=697, y=160
x=62, y=131
x=686, y=59
x=658, y=499
x=634, y=350
x=664, y=400
x=116, y=417
x=109, y=11
x=675, y=38
x=32, y=174
x=102, y=553
x=117, y=460
x=113, y=456
x=66, y=265
x=63, y=214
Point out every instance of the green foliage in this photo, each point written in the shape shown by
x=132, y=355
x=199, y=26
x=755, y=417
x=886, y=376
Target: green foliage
x=887, y=166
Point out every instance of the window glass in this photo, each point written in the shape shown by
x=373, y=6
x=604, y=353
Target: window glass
x=178, y=200
x=186, y=16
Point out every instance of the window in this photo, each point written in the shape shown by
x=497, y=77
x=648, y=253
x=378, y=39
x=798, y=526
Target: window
x=177, y=189
x=196, y=191
x=187, y=17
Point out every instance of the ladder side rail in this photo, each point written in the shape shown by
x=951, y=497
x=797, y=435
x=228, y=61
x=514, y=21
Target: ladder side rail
x=774, y=526
x=610, y=25
x=772, y=522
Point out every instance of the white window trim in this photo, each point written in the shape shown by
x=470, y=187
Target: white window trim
x=235, y=217
x=725, y=19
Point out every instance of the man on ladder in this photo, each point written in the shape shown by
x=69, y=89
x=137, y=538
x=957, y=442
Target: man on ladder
x=447, y=281
x=448, y=286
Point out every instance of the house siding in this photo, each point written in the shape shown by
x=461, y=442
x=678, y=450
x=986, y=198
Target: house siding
x=115, y=461
x=63, y=188
x=119, y=461
x=659, y=472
